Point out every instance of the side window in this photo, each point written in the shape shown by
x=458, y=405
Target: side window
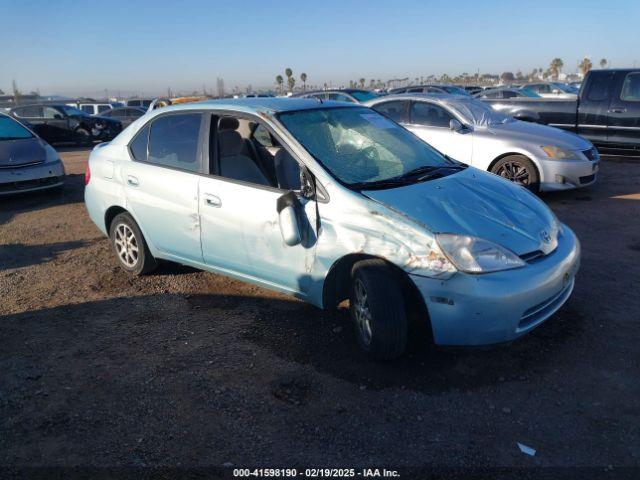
x=534, y=88
x=28, y=112
x=508, y=94
x=103, y=108
x=87, y=109
x=415, y=90
x=598, y=87
x=49, y=112
x=544, y=88
x=132, y=112
x=429, y=115
x=262, y=136
x=394, y=110
x=134, y=103
x=173, y=141
x=139, y=145
x=631, y=88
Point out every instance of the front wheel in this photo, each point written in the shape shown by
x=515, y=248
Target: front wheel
x=518, y=169
x=130, y=246
x=378, y=309
x=84, y=137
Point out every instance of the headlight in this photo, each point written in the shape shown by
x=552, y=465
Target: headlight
x=475, y=255
x=559, y=153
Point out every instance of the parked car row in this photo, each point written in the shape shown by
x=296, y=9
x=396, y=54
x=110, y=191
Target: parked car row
x=62, y=123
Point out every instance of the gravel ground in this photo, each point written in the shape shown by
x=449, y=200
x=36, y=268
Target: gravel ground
x=191, y=369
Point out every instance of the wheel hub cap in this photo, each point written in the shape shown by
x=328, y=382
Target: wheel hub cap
x=126, y=245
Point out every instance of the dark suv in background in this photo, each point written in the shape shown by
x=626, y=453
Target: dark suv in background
x=62, y=123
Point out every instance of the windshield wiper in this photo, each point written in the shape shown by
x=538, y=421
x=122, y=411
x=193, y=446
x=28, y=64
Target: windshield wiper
x=420, y=174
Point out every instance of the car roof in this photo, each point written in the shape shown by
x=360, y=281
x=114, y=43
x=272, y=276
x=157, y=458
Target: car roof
x=256, y=105
x=440, y=98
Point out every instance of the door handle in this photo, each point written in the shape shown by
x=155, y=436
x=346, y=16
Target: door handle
x=617, y=110
x=133, y=181
x=212, y=200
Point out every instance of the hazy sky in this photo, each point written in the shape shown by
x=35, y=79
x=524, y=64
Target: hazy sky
x=82, y=47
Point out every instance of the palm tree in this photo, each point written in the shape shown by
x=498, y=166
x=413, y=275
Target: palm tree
x=361, y=81
x=303, y=77
x=603, y=63
x=585, y=66
x=555, y=67
x=279, y=81
x=291, y=81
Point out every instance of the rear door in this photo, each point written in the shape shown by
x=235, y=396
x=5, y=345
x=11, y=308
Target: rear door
x=624, y=111
x=161, y=183
x=593, y=109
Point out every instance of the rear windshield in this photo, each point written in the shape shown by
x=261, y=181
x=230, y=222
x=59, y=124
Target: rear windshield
x=12, y=130
x=364, y=96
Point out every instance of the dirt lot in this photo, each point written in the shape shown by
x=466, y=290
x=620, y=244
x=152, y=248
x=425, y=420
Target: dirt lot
x=187, y=368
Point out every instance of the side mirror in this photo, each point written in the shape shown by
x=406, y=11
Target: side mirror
x=287, y=206
x=455, y=125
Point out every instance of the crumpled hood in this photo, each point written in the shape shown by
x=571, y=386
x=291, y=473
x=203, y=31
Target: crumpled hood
x=473, y=202
x=22, y=151
x=536, y=134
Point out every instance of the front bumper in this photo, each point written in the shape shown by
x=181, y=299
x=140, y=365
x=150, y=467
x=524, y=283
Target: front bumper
x=31, y=178
x=565, y=175
x=502, y=306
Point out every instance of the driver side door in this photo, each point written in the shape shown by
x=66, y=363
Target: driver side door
x=238, y=206
x=430, y=122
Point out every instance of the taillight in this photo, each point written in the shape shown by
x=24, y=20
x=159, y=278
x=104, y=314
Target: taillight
x=87, y=174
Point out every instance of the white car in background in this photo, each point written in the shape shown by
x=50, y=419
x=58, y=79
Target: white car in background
x=536, y=156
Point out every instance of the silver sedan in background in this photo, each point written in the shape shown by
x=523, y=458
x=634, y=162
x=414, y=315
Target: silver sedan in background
x=27, y=162
x=537, y=156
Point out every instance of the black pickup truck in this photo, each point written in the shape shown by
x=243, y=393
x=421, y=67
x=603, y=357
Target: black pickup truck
x=607, y=110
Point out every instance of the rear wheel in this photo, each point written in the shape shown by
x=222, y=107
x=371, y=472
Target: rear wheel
x=130, y=246
x=518, y=169
x=378, y=309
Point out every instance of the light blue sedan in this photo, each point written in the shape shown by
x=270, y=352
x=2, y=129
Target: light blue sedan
x=330, y=202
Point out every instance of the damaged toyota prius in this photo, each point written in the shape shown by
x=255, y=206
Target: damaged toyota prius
x=330, y=202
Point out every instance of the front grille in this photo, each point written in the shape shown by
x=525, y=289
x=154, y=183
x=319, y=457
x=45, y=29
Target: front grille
x=592, y=154
x=531, y=256
x=27, y=184
x=20, y=165
x=588, y=178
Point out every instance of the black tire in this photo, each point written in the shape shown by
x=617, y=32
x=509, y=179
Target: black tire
x=388, y=323
x=120, y=227
x=84, y=137
x=519, y=169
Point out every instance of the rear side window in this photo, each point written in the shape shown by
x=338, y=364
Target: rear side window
x=631, y=88
x=393, y=110
x=173, y=141
x=139, y=145
x=87, y=109
x=103, y=108
x=598, y=87
x=28, y=112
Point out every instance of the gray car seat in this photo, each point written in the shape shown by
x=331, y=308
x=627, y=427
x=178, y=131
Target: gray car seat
x=233, y=163
x=287, y=170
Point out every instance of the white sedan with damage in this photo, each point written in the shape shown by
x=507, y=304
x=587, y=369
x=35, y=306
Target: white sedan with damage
x=537, y=156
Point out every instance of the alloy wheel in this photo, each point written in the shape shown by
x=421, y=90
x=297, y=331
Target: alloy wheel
x=515, y=171
x=362, y=312
x=126, y=245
